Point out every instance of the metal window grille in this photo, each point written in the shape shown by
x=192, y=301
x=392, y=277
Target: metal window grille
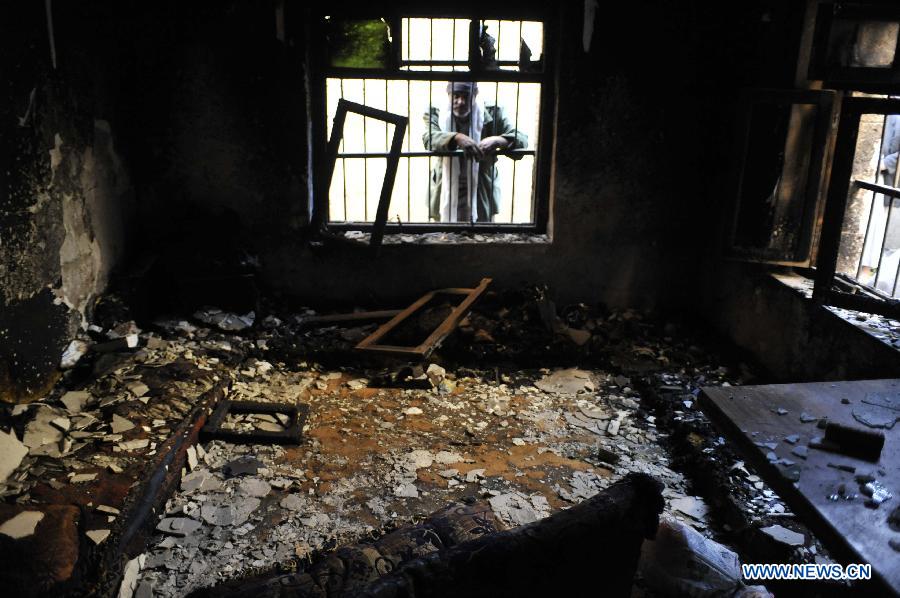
x=426, y=54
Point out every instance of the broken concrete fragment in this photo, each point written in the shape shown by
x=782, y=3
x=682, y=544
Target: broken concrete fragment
x=130, y=445
x=137, y=388
x=97, y=535
x=79, y=478
x=200, y=480
x=516, y=508
x=784, y=536
x=269, y=427
x=178, y=526
x=806, y=418
x=473, y=475
x=75, y=400
x=792, y=439
x=242, y=466
x=119, y=424
x=11, y=454
x=406, y=490
x=22, y=525
x=292, y=502
x=569, y=381
x=107, y=509
x=217, y=515
x=130, y=576
x=192, y=458
x=448, y=473
x=40, y=431
x=412, y=411
x=447, y=458
x=254, y=487
x=691, y=506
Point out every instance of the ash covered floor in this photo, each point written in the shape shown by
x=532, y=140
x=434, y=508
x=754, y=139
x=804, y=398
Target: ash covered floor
x=385, y=444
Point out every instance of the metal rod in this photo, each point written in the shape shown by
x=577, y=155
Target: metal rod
x=365, y=163
x=425, y=154
x=887, y=227
x=408, y=161
x=431, y=75
x=437, y=62
x=343, y=165
x=891, y=192
x=866, y=235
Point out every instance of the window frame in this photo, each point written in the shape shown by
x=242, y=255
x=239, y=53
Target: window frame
x=830, y=287
x=318, y=71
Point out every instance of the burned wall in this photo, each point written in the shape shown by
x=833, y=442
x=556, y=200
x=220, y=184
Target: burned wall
x=65, y=194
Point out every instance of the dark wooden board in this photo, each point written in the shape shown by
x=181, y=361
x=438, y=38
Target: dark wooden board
x=851, y=531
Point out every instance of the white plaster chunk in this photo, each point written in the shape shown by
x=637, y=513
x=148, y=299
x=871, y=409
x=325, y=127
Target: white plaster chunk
x=192, y=458
x=131, y=445
x=119, y=424
x=97, y=535
x=447, y=458
x=130, y=576
x=784, y=535
x=78, y=478
x=75, y=400
x=406, y=490
x=254, y=487
x=292, y=502
x=22, y=525
x=11, y=454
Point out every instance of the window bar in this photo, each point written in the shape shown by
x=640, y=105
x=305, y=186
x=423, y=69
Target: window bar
x=408, y=160
x=462, y=161
x=494, y=170
x=866, y=235
x=430, y=106
x=872, y=209
x=897, y=273
x=887, y=227
x=512, y=202
x=387, y=144
x=497, y=57
x=344, y=164
x=409, y=134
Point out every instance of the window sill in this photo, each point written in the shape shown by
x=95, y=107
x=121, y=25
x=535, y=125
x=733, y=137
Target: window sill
x=452, y=238
x=884, y=329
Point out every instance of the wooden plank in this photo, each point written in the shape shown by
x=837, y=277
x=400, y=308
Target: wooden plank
x=361, y=316
x=850, y=530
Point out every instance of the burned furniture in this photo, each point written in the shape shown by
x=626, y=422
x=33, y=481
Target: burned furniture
x=459, y=552
x=827, y=489
x=292, y=433
x=426, y=347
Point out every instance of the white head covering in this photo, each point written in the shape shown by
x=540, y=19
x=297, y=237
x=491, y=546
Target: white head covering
x=452, y=166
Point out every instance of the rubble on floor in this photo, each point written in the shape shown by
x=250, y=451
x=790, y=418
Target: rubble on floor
x=384, y=444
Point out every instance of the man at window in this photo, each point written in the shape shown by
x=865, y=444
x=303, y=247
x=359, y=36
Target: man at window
x=480, y=131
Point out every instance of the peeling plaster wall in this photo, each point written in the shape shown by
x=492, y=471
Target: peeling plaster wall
x=65, y=198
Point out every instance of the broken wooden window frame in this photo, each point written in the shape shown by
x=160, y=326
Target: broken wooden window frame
x=292, y=434
x=318, y=71
x=444, y=329
x=393, y=157
x=806, y=200
x=832, y=288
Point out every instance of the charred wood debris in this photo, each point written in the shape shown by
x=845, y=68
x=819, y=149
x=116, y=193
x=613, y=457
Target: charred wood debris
x=527, y=408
